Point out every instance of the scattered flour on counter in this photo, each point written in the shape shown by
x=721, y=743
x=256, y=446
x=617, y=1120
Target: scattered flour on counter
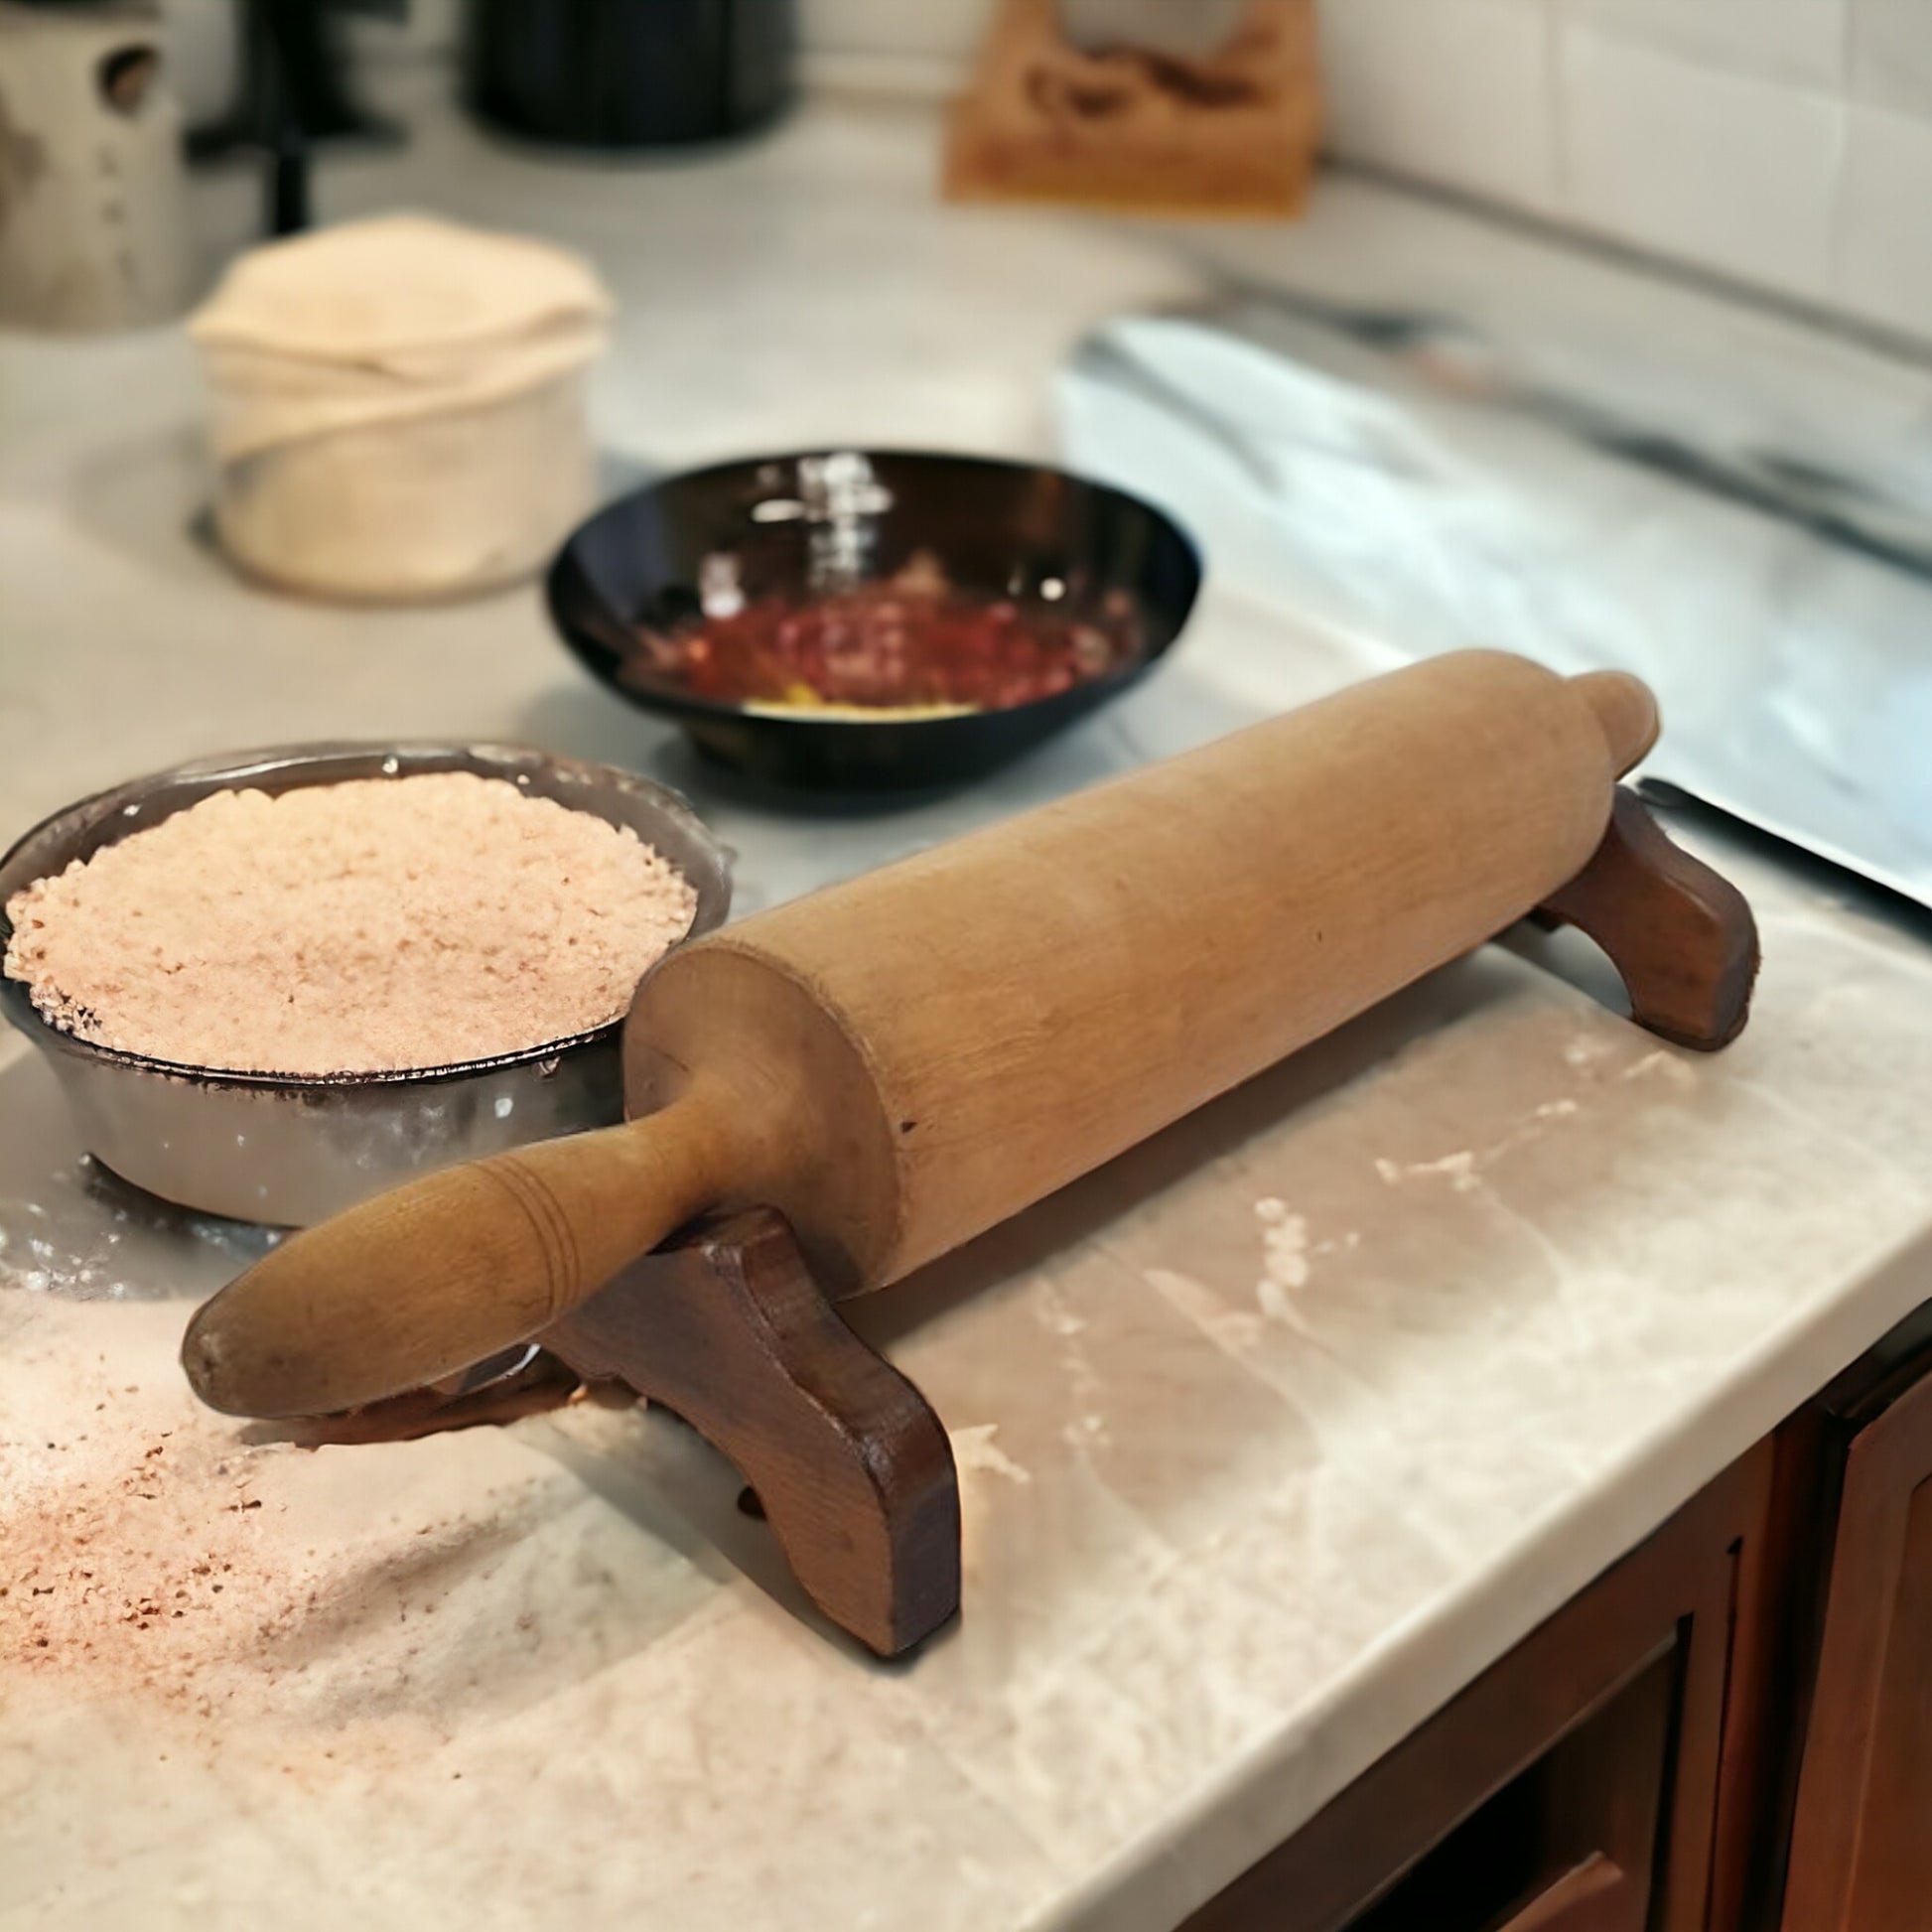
x=1458, y=1169
x=1284, y=1260
x=976, y=1457
x=1285, y=1242
x=178, y=1566
x=974, y=1452
x=1087, y=1432
x=1591, y=1051
x=1231, y=1330
x=1667, y=1066
x=95, y=1238
x=1062, y=1322
x=1586, y=1049
x=1463, y=1169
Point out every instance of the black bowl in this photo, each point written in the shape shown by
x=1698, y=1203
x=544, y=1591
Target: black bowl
x=790, y=524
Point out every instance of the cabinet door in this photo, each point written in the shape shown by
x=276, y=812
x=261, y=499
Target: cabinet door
x=1575, y=1786
x=1861, y=1842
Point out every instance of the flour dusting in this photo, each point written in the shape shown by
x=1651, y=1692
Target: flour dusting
x=975, y=1452
x=1234, y=1330
x=1664, y=1064
x=1457, y=1168
x=1284, y=1260
x=1586, y=1050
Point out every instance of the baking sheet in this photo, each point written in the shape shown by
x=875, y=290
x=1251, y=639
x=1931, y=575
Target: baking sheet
x=1324, y=475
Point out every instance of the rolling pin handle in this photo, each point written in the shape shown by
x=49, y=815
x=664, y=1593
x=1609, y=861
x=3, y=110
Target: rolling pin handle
x=450, y=1268
x=1681, y=938
x=854, y=1471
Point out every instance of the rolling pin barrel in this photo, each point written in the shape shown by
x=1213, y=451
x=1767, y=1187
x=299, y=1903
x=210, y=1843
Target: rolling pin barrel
x=901, y=1061
x=995, y=1017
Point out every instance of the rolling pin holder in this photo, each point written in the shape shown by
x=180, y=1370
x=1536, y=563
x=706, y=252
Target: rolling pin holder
x=1680, y=935
x=1483, y=775
x=853, y=1472
x=851, y=1466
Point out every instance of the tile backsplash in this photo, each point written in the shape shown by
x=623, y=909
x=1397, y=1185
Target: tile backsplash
x=1784, y=144
x=1787, y=144
x=1719, y=167
x=1490, y=133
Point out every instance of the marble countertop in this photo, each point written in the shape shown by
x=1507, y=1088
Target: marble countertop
x=1273, y=1434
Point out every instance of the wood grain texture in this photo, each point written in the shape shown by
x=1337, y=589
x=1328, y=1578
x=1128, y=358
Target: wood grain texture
x=1680, y=935
x=1593, y=1896
x=429, y=1277
x=1601, y=1807
x=1861, y=1838
x=1780, y=1614
x=853, y=1470
x=1233, y=133
x=897, y=1064
x=991, y=1019
x=1606, y=1722
x=1626, y=714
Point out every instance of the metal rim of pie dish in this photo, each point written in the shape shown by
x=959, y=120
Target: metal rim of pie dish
x=292, y=1148
x=64, y=836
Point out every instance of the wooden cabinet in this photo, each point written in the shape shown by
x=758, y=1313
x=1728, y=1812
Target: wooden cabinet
x=1730, y=1731
x=1575, y=1787
x=1861, y=1833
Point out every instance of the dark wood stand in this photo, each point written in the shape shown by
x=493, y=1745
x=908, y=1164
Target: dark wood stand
x=851, y=1466
x=853, y=1469
x=1680, y=936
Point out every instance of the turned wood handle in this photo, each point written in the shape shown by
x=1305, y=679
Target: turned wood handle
x=899, y=1063
x=429, y=1277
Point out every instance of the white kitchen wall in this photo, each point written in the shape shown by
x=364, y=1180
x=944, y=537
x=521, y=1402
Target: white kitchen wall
x=920, y=47
x=947, y=30
x=1781, y=143
x=1785, y=143
x=937, y=31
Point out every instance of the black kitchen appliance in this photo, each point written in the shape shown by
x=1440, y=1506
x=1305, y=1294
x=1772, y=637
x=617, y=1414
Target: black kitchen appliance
x=292, y=91
x=626, y=73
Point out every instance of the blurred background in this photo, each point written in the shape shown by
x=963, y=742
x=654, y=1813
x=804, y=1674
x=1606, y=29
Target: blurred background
x=1786, y=143
x=1600, y=330
x=868, y=419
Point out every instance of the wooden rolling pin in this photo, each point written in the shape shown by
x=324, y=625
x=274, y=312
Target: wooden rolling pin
x=899, y=1063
